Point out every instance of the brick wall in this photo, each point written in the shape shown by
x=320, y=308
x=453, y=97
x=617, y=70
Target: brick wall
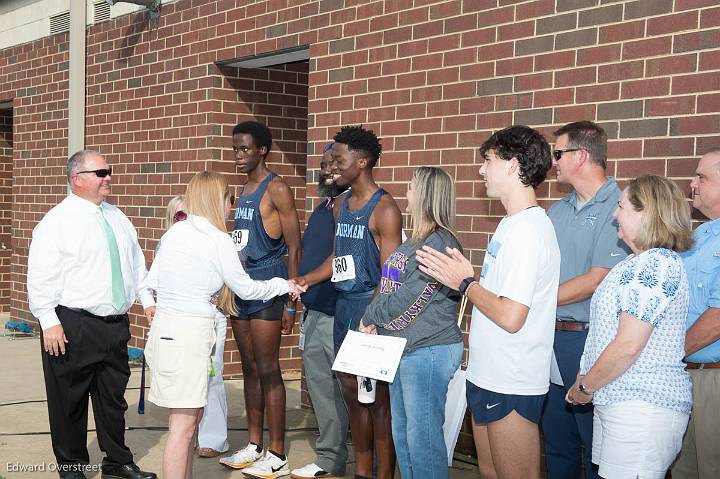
x=34, y=75
x=6, y=177
x=277, y=96
x=433, y=78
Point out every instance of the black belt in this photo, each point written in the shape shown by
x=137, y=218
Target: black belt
x=113, y=318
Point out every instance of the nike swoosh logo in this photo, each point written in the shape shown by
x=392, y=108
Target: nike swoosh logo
x=247, y=202
x=614, y=254
x=358, y=218
x=276, y=470
x=487, y=406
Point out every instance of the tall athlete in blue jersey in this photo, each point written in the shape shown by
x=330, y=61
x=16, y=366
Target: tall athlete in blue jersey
x=266, y=228
x=368, y=229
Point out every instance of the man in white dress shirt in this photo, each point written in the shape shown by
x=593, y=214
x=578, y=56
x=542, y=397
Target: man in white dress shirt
x=84, y=270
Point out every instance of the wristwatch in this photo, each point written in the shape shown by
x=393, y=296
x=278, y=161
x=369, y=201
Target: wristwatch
x=582, y=389
x=465, y=284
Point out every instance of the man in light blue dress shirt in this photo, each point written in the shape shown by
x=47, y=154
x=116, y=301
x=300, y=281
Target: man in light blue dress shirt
x=700, y=455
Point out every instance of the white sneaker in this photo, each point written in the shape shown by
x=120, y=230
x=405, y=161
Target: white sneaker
x=310, y=471
x=242, y=458
x=269, y=467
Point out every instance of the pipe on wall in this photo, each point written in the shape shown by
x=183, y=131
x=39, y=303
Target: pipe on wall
x=76, y=101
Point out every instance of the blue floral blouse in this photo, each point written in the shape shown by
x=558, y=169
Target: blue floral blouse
x=652, y=287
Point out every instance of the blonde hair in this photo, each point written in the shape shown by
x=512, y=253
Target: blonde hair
x=205, y=196
x=434, y=203
x=666, y=222
x=170, y=211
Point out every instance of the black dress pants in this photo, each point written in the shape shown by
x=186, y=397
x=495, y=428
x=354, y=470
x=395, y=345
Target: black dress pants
x=95, y=364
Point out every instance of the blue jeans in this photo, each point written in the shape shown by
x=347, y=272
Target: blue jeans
x=417, y=398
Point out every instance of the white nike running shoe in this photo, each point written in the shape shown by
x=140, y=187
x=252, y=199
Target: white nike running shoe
x=269, y=467
x=242, y=458
x=310, y=471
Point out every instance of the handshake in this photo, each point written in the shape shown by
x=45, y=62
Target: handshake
x=297, y=287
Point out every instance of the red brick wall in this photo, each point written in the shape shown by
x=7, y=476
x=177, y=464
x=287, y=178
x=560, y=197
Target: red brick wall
x=6, y=176
x=34, y=75
x=433, y=78
x=277, y=96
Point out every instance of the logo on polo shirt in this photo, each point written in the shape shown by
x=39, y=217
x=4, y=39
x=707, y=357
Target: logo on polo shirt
x=590, y=219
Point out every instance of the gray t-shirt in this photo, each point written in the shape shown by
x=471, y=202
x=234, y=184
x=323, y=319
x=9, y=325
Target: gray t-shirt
x=413, y=305
x=587, y=238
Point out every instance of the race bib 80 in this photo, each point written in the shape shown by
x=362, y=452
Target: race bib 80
x=343, y=268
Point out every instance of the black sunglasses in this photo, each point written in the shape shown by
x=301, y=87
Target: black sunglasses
x=180, y=216
x=557, y=154
x=101, y=173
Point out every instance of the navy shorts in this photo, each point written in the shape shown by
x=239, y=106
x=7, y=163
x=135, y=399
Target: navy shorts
x=488, y=406
x=348, y=313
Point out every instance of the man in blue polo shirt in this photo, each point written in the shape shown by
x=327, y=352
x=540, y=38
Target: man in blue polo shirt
x=589, y=248
x=700, y=455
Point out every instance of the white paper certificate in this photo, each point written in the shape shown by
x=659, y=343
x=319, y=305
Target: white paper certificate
x=370, y=355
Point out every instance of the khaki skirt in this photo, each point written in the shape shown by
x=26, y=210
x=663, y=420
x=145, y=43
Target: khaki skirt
x=178, y=352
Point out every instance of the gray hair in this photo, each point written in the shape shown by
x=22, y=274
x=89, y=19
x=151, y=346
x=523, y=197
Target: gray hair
x=76, y=161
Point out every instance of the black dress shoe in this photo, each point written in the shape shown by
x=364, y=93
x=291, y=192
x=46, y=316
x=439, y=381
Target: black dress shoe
x=126, y=471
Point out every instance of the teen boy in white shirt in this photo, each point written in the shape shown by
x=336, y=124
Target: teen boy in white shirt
x=511, y=333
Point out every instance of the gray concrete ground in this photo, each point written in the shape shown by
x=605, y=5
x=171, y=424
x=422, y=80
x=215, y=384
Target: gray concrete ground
x=24, y=429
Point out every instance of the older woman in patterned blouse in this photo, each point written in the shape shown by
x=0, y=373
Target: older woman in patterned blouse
x=632, y=367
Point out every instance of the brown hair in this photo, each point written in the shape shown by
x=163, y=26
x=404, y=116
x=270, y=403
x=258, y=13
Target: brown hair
x=589, y=136
x=434, y=205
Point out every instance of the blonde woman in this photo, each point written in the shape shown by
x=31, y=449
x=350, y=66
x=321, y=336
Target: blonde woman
x=175, y=211
x=196, y=258
x=632, y=367
x=212, y=431
x=414, y=306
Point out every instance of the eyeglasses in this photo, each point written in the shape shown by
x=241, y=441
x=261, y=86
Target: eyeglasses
x=101, y=173
x=557, y=154
x=179, y=216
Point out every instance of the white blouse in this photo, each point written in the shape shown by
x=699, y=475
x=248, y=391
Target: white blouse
x=193, y=261
x=652, y=287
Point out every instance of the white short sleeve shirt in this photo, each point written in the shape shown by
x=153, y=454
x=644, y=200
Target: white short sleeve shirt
x=522, y=263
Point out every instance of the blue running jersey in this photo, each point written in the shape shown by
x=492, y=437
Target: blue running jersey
x=353, y=237
x=260, y=254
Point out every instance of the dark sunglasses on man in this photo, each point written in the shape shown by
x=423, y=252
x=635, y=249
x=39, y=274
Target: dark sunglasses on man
x=101, y=173
x=557, y=154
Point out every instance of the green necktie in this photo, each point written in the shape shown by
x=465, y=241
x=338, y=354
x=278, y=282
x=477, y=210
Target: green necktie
x=118, y=286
